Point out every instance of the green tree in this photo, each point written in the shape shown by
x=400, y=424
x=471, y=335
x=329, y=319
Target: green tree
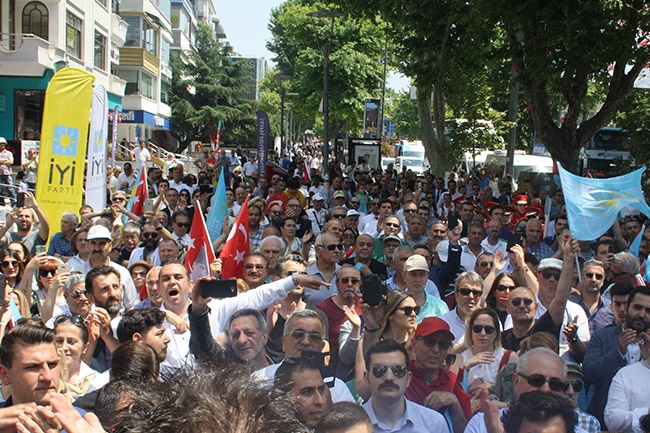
x=404, y=114
x=354, y=72
x=206, y=90
x=558, y=48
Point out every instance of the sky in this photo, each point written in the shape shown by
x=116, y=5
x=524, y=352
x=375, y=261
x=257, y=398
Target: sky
x=246, y=24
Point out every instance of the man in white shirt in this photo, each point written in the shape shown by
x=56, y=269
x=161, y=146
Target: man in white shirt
x=141, y=154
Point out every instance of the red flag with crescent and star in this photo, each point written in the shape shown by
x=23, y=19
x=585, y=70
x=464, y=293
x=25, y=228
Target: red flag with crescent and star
x=237, y=246
x=277, y=199
x=199, y=253
x=141, y=193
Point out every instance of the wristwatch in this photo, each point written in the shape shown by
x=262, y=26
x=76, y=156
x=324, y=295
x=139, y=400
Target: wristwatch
x=294, y=278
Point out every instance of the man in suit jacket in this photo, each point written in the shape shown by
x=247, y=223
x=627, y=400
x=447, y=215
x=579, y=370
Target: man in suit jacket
x=614, y=347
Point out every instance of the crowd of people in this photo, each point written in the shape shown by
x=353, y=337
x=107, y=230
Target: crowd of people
x=376, y=302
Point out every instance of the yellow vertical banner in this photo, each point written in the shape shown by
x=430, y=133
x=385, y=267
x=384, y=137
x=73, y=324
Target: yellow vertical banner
x=64, y=137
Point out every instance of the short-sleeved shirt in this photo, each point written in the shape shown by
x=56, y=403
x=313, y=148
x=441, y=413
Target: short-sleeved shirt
x=544, y=324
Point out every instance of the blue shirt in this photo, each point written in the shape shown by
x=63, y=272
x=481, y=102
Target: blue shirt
x=542, y=251
x=416, y=419
x=59, y=245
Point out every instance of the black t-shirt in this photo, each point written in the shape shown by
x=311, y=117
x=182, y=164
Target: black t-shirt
x=543, y=324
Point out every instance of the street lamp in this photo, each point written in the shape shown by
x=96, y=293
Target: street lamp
x=282, y=77
x=326, y=63
x=290, y=120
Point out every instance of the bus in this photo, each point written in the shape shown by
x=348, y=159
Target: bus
x=602, y=152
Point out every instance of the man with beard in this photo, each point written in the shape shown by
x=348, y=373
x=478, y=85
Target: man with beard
x=614, y=347
x=24, y=218
x=100, y=244
x=145, y=325
x=328, y=254
x=103, y=289
x=596, y=307
x=363, y=248
x=338, y=307
x=149, y=250
x=302, y=379
x=388, y=377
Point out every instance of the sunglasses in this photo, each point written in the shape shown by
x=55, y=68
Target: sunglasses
x=576, y=385
x=252, y=266
x=6, y=263
x=118, y=199
x=549, y=274
x=588, y=275
x=299, y=334
x=392, y=225
x=517, y=302
x=466, y=292
x=276, y=212
x=409, y=210
x=489, y=330
x=504, y=287
x=183, y=224
x=332, y=247
x=75, y=320
x=410, y=310
x=486, y=264
x=76, y=294
x=150, y=235
x=46, y=272
x=379, y=370
x=347, y=280
x=432, y=342
x=538, y=380
x=338, y=216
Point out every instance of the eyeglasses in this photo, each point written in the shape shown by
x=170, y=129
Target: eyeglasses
x=538, y=380
x=47, y=272
x=299, y=334
x=489, y=330
x=332, y=247
x=466, y=292
x=379, y=370
x=549, y=274
x=290, y=273
x=576, y=385
x=7, y=263
x=347, y=280
x=183, y=224
x=486, y=264
x=395, y=225
x=76, y=294
x=592, y=275
x=339, y=215
x=152, y=235
x=410, y=310
x=432, y=342
x=252, y=266
x=503, y=288
x=517, y=302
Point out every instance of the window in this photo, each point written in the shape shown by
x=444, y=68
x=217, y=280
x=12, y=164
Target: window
x=100, y=50
x=36, y=20
x=164, y=93
x=28, y=113
x=147, y=86
x=149, y=37
x=73, y=35
x=131, y=78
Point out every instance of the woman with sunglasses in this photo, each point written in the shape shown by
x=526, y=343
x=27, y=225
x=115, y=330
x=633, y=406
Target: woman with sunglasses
x=398, y=322
x=12, y=267
x=44, y=269
x=184, y=198
x=22, y=250
x=348, y=239
x=484, y=356
x=72, y=339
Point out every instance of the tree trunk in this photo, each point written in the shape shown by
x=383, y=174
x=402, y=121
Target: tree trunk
x=431, y=144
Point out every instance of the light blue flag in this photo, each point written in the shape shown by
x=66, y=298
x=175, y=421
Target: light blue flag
x=636, y=243
x=218, y=210
x=593, y=205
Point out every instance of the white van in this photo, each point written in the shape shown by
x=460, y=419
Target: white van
x=537, y=169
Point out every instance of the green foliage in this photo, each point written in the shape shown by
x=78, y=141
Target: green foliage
x=354, y=70
x=635, y=118
x=206, y=90
x=404, y=114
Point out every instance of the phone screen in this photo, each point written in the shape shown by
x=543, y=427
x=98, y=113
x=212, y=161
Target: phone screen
x=218, y=288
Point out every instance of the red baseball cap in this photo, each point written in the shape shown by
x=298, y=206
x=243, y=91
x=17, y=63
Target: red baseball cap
x=431, y=325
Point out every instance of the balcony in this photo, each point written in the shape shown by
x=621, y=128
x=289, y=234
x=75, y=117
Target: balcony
x=119, y=27
x=27, y=55
x=181, y=41
x=133, y=56
x=116, y=85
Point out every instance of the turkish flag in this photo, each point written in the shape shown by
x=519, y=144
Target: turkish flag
x=141, y=193
x=277, y=199
x=306, y=173
x=200, y=253
x=237, y=246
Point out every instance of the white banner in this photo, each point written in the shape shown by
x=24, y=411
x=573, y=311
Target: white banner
x=96, y=173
